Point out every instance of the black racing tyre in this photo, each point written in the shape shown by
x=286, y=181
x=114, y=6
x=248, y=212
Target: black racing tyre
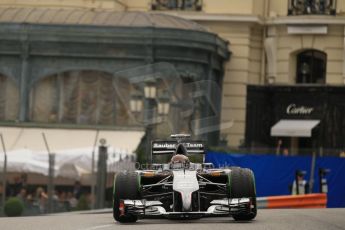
x=126, y=186
x=242, y=185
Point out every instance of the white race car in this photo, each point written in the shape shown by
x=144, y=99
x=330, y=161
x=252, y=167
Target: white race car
x=182, y=189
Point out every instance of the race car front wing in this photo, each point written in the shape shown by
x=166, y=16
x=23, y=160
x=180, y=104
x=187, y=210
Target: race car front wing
x=223, y=207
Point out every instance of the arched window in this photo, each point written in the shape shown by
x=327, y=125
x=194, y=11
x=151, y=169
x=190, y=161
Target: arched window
x=9, y=99
x=89, y=97
x=311, y=67
x=79, y=97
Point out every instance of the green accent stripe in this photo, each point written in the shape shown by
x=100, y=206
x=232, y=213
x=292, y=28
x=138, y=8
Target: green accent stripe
x=139, y=182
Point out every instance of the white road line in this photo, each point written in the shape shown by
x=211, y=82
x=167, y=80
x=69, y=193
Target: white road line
x=99, y=227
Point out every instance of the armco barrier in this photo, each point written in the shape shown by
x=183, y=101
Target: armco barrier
x=318, y=200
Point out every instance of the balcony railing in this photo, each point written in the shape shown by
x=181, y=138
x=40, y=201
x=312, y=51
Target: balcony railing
x=312, y=7
x=187, y=5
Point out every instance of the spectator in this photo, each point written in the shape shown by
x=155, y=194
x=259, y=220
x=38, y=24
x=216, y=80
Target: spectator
x=30, y=201
x=17, y=186
x=279, y=144
x=56, y=196
x=77, y=190
x=73, y=202
x=285, y=152
x=41, y=199
x=22, y=196
x=63, y=200
x=19, y=183
x=89, y=199
x=56, y=201
x=1, y=194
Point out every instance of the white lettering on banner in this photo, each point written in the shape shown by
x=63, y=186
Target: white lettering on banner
x=191, y=145
x=165, y=145
x=299, y=110
x=173, y=146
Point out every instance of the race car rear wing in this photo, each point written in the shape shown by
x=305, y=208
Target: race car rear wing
x=162, y=147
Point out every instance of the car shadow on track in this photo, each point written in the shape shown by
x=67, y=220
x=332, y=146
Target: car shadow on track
x=199, y=221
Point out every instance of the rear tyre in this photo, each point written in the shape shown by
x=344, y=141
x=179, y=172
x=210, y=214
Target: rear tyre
x=126, y=186
x=242, y=185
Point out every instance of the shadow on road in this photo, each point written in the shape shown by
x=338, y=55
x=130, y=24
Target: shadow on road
x=176, y=222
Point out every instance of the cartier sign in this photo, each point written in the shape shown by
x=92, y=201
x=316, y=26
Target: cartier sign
x=293, y=109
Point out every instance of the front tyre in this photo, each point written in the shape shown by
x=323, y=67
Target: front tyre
x=126, y=186
x=242, y=185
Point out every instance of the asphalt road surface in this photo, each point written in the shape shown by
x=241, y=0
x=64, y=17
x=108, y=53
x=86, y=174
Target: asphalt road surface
x=276, y=219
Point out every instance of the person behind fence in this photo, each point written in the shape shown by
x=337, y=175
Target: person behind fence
x=73, y=201
x=40, y=199
x=19, y=183
x=22, y=196
x=303, y=186
x=64, y=201
x=1, y=193
x=57, y=206
x=77, y=190
x=285, y=152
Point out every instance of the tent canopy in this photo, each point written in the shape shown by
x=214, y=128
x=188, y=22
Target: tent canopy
x=63, y=139
x=294, y=128
x=26, y=151
x=73, y=164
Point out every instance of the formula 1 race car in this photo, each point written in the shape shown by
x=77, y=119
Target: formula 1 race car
x=183, y=190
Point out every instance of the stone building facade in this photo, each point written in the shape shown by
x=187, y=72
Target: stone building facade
x=271, y=41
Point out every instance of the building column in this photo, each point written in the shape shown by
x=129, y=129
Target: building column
x=212, y=122
x=60, y=88
x=344, y=58
x=24, y=91
x=270, y=44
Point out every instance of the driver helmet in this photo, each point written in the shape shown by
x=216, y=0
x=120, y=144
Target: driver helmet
x=179, y=158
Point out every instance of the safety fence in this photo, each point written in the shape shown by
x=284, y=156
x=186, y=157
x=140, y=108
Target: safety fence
x=275, y=175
